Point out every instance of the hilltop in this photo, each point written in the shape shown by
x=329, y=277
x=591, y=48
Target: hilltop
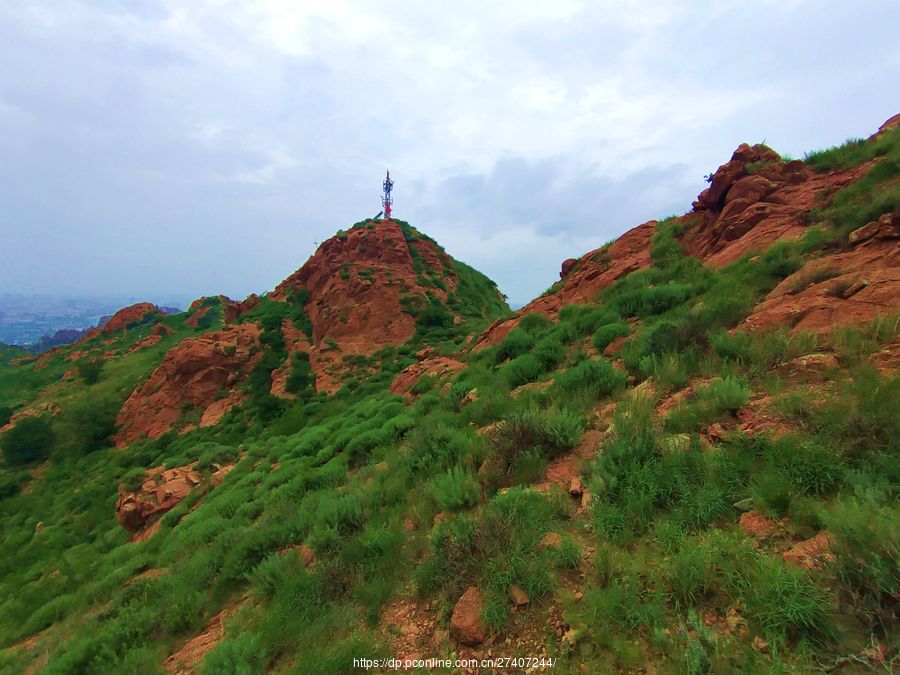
x=681, y=458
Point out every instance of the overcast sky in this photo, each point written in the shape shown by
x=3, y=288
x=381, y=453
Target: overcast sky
x=168, y=149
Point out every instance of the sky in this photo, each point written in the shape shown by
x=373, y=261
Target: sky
x=164, y=150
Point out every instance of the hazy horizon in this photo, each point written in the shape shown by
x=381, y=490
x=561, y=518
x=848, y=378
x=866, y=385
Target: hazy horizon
x=161, y=151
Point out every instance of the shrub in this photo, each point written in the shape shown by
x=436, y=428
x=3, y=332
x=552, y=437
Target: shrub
x=811, y=467
x=522, y=369
x=301, y=377
x=439, y=446
x=516, y=343
x=551, y=432
x=586, y=319
x=689, y=574
x=550, y=352
x=852, y=153
x=728, y=394
x=455, y=490
x=787, y=603
x=271, y=573
x=651, y=300
x=89, y=370
x=30, y=440
x=596, y=377
x=534, y=323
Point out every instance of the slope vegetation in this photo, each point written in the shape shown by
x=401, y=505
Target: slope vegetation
x=682, y=458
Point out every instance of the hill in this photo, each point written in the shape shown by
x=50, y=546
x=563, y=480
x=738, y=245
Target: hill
x=681, y=458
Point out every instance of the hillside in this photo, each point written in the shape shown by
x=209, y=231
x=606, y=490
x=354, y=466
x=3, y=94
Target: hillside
x=681, y=458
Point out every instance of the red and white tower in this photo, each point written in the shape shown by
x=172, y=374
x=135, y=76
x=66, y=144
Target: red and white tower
x=387, y=199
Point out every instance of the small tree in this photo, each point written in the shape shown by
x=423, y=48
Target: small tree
x=30, y=440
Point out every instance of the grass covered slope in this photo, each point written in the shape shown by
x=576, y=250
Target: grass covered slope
x=642, y=482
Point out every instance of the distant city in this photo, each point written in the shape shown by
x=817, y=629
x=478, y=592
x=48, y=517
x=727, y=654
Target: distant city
x=26, y=319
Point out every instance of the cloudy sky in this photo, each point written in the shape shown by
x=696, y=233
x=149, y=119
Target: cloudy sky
x=168, y=149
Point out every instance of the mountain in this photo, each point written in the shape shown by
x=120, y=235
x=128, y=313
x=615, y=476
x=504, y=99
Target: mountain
x=681, y=458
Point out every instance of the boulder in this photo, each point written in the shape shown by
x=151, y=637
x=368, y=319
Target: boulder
x=466, y=624
x=518, y=595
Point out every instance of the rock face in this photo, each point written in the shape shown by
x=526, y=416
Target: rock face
x=192, y=378
x=857, y=284
x=466, y=624
x=754, y=200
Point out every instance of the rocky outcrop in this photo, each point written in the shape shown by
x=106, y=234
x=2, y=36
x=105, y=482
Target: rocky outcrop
x=359, y=287
x=161, y=490
x=355, y=283
x=231, y=309
x=138, y=511
x=142, y=312
x=159, y=331
x=197, y=376
x=850, y=287
x=583, y=279
x=429, y=363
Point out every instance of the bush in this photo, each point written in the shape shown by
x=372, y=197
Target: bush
x=550, y=352
x=455, y=490
x=551, y=432
x=651, y=300
x=522, y=369
x=534, y=323
x=595, y=377
x=516, y=343
x=302, y=377
x=586, y=319
x=726, y=395
x=30, y=440
x=689, y=574
x=89, y=370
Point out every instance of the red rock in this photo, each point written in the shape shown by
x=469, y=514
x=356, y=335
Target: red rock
x=716, y=432
x=129, y=315
x=594, y=272
x=891, y=123
x=194, y=374
x=753, y=188
x=819, y=307
x=518, y=596
x=812, y=553
x=162, y=489
x=713, y=197
x=355, y=283
x=466, y=624
x=757, y=525
x=575, y=488
x=437, y=366
x=550, y=540
x=886, y=227
x=307, y=555
x=567, y=266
